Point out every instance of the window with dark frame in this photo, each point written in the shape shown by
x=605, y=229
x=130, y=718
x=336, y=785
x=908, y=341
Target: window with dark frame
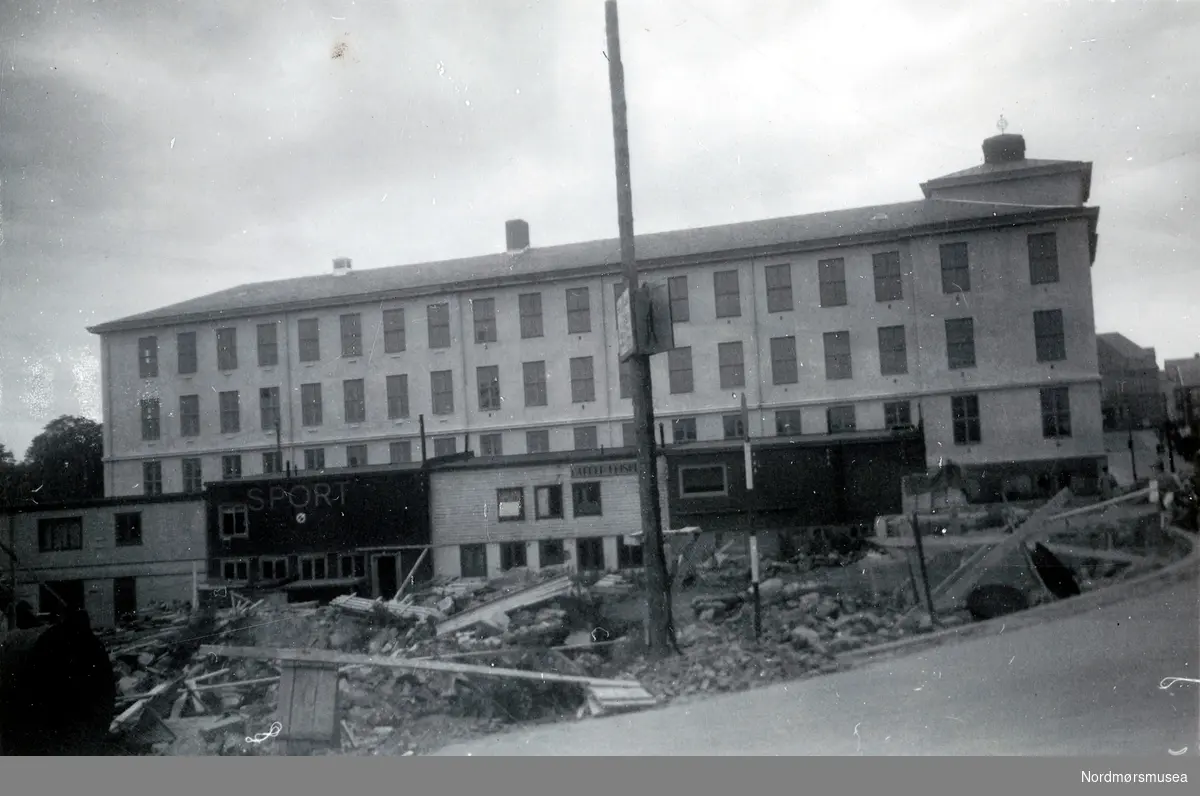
x=231, y=412
x=579, y=311
x=148, y=357
x=586, y=438
x=683, y=429
x=529, y=306
x=191, y=471
x=352, y=566
x=589, y=554
x=677, y=291
x=151, y=419
x=534, y=377
x=889, y=285
x=513, y=556
x=727, y=294
x=354, y=400
x=841, y=419
x=583, y=381
x=960, y=343
x=268, y=344
x=445, y=446
x=778, y=280
x=585, y=498
x=400, y=452
x=189, y=415
x=1049, y=335
x=897, y=414
x=441, y=387
x=128, y=529
x=964, y=412
x=629, y=556
x=268, y=407
x=487, y=378
x=483, y=312
x=537, y=441
x=1056, y=412
x=235, y=569
x=227, y=358
x=491, y=444
x=831, y=278
x=185, y=343
x=735, y=428
x=510, y=502
x=1043, y=258
x=233, y=521
x=272, y=462
x=956, y=268
x=784, y=369
x=152, y=478
x=703, y=480
x=311, y=406
x=313, y=567
x=314, y=458
x=397, y=396
x=837, y=356
x=472, y=559
x=732, y=365
x=438, y=321
x=351, y=327
x=552, y=553
x=893, y=351
x=271, y=569
x=548, y=502
x=679, y=364
x=394, y=335
x=231, y=466
x=59, y=534
x=309, y=334
x=356, y=456
x=787, y=423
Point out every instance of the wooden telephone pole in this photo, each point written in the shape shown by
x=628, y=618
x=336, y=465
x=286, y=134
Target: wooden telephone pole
x=660, y=631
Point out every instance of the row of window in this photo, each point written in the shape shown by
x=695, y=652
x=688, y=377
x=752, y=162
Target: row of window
x=314, y=566
x=56, y=534
x=1049, y=336
x=831, y=277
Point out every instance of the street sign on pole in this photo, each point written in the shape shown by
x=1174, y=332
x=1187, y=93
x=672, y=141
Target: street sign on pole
x=626, y=343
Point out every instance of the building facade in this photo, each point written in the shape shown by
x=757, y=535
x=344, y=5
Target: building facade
x=110, y=557
x=1131, y=384
x=966, y=314
x=1182, y=383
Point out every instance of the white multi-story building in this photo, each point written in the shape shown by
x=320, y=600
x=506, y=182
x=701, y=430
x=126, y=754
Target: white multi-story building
x=967, y=312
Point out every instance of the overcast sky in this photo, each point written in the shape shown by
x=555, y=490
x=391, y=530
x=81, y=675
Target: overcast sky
x=154, y=151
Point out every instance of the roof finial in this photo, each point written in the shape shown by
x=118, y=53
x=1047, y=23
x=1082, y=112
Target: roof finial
x=1002, y=125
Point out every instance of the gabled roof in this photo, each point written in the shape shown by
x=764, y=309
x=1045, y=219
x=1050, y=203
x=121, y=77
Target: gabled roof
x=1183, y=372
x=1124, y=346
x=1011, y=170
x=857, y=226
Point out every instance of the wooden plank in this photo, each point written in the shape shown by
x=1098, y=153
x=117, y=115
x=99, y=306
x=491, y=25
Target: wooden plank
x=525, y=598
x=1096, y=554
x=327, y=656
x=314, y=704
x=236, y=684
x=411, y=572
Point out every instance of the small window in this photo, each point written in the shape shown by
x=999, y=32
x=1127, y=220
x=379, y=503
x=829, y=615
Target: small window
x=683, y=429
x=956, y=270
x=677, y=290
x=352, y=345
x=784, y=369
x=1050, y=336
x=445, y=446
x=831, y=276
x=893, y=351
x=227, y=358
x=231, y=466
x=272, y=462
x=589, y=554
x=1056, y=412
x=312, y=409
x=679, y=364
x=356, y=456
x=491, y=444
x=148, y=357
x=511, y=504
x=310, y=339
x=484, y=312
x=152, y=479
x=512, y=556
x=273, y=568
x=888, y=283
x=441, y=386
x=583, y=380
x=151, y=414
x=530, y=307
x=629, y=556
x=473, y=560
x=189, y=415
x=354, y=400
x=732, y=364
x=488, y=379
x=586, y=438
x=268, y=408
x=579, y=311
x=235, y=569
x=439, y=325
x=314, y=459
x=60, y=534
x=549, y=502
x=185, y=342
x=313, y=568
x=534, y=374
x=841, y=419
x=628, y=435
x=787, y=423
x=1043, y=258
x=735, y=428
x=964, y=410
x=709, y=480
x=400, y=452
x=233, y=521
x=193, y=481
x=727, y=294
x=552, y=553
x=352, y=566
x=537, y=441
x=960, y=343
x=268, y=344
x=897, y=414
x=394, y=341
x=779, y=287
x=586, y=498
x=837, y=356
x=231, y=412
x=397, y=396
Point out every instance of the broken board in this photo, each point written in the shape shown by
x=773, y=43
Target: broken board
x=604, y=700
x=534, y=595
x=308, y=706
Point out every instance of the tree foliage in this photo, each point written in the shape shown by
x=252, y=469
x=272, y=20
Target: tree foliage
x=63, y=463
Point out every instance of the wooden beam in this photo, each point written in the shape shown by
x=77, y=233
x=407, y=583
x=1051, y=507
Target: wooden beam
x=328, y=656
x=235, y=684
x=411, y=573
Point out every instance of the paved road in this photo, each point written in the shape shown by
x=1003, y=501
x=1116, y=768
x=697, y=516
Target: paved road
x=1145, y=448
x=1086, y=685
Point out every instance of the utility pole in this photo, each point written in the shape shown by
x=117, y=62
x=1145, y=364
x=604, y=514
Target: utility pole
x=748, y=456
x=660, y=631
x=1128, y=402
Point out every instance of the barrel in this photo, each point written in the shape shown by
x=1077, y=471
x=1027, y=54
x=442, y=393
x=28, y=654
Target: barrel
x=57, y=690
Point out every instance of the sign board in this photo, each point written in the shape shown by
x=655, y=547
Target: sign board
x=659, y=326
x=604, y=469
x=625, y=341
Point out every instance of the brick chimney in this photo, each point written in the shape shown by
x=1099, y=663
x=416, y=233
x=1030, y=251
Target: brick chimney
x=341, y=266
x=516, y=233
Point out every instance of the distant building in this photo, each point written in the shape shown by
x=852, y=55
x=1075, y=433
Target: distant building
x=1182, y=380
x=1131, y=384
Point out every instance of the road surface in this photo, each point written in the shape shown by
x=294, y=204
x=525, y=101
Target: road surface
x=1145, y=449
x=1085, y=685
